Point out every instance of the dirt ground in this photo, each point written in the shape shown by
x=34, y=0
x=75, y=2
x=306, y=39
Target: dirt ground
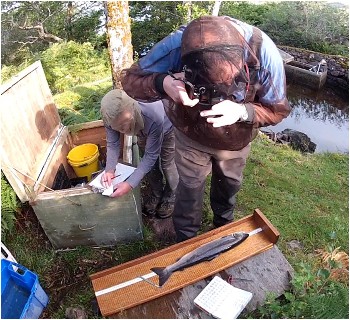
x=61, y=278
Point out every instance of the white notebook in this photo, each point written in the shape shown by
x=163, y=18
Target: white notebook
x=122, y=172
x=222, y=300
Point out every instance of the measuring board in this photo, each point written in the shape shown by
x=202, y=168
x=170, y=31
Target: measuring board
x=122, y=287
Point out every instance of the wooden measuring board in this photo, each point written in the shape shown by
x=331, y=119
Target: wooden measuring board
x=121, y=287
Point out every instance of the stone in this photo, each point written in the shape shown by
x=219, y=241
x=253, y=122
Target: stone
x=298, y=140
x=76, y=313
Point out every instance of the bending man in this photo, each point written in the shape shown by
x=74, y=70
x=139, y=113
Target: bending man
x=220, y=80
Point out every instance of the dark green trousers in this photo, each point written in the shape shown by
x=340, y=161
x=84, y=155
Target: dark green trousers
x=194, y=163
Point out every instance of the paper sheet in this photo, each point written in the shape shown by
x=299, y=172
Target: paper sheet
x=122, y=172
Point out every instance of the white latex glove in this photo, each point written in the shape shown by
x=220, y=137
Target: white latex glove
x=176, y=90
x=227, y=112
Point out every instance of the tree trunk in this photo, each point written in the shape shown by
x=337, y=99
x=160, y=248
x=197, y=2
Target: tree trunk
x=188, y=6
x=118, y=38
x=216, y=7
x=69, y=20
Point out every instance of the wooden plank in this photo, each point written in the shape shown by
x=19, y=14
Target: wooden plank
x=97, y=220
x=88, y=132
x=141, y=292
x=265, y=272
x=286, y=57
x=29, y=126
x=271, y=232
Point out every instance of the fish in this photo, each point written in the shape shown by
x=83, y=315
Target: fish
x=205, y=252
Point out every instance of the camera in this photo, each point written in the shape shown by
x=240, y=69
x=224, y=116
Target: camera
x=208, y=95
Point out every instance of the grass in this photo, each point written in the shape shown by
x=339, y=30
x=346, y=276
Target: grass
x=304, y=196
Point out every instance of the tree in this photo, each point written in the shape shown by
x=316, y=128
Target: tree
x=154, y=20
x=118, y=38
x=29, y=27
x=216, y=7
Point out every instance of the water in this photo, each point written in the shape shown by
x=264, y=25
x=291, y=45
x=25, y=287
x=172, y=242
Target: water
x=13, y=300
x=323, y=116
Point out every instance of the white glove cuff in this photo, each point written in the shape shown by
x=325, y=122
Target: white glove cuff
x=245, y=115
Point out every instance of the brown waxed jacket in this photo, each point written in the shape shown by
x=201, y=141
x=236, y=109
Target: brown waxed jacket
x=265, y=100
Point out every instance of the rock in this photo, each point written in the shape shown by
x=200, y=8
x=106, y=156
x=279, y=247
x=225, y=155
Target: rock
x=295, y=245
x=75, y=313
x=298, y=140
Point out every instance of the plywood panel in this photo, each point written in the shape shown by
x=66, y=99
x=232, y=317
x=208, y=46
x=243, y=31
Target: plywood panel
x=89, y=132
x=29, y=124
x=141, y=292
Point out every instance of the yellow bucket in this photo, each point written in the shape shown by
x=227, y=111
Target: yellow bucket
x=84, y=159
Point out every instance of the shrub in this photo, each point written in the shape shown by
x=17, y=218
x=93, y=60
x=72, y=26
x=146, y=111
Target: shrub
x=69, y=64
x=66, y=65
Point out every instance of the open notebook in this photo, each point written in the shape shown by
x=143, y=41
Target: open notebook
x=122, y=172
x=222, y=300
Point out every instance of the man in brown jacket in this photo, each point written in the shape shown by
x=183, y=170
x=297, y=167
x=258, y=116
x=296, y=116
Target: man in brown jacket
x=220, y=80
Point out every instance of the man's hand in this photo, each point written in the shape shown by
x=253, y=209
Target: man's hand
x=176, y=90
x=225, y=113
x=106, y=179
x=121, y=189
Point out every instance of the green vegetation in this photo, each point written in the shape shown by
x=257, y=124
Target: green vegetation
x=315, y=294
x=312, y=25
x=304, y=196
x=67, y=65
x=82, y=103
x=9, y=206
x=31, y=27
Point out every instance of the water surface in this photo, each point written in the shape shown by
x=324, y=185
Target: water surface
x=322, y=115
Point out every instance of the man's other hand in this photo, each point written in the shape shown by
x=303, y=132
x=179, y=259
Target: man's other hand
x=176, y=90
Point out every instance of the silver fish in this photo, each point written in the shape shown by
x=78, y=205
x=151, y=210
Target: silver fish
x=205, y=252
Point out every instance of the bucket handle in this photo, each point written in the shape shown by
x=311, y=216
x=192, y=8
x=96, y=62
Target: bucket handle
x=83, y=165
x=87, y=228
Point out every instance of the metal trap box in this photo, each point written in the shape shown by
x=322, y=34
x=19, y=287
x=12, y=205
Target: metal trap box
x=34, y=148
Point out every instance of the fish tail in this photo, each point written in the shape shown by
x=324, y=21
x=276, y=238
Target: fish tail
x=163, y=275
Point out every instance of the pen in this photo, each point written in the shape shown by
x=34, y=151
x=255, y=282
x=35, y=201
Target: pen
x=118, y=175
